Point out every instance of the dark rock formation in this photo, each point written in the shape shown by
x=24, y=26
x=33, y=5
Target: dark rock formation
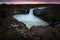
x=40, y=12
x=50, y=14
x=21, y=11
x=6, y=19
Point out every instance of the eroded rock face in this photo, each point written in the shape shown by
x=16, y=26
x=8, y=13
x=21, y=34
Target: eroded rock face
x=51, y=15
x=40, y=13
x=21, y=11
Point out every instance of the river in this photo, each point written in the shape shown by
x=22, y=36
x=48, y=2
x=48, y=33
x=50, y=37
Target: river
x=30, y=20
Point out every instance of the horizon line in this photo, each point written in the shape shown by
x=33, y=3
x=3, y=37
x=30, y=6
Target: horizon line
x=24, y=2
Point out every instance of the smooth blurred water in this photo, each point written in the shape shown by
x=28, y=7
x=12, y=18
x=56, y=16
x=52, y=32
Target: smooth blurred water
x=30, y=20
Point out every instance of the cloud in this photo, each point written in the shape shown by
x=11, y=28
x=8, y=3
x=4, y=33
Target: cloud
x=5, y=0
x=28, y=0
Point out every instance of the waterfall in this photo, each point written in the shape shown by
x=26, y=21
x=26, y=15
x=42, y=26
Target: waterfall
x=31, y=12
x=30, y=20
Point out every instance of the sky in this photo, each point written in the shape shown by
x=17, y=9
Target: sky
x=29, y=0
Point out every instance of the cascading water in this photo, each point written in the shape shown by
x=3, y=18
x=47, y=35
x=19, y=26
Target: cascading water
x=30, y=20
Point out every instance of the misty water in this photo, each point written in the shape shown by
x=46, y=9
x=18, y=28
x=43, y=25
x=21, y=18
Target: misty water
x=30, y=20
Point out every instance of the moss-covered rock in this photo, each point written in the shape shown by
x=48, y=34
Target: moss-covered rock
x=23, y=25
